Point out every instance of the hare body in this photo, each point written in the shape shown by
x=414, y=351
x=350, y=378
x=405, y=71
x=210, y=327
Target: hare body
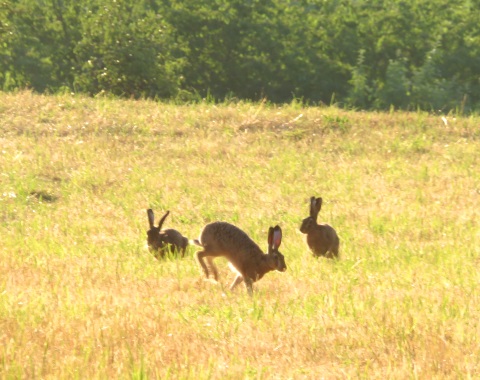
x=160, y=241
x=245, y=256
x=322, y=239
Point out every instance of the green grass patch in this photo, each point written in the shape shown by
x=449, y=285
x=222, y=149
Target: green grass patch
x=81, y=296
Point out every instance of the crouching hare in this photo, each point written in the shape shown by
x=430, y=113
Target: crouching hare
x=245, y=256
x=160, y=241
x=321, y=238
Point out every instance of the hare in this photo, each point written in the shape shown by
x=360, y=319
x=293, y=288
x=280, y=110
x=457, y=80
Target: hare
x=245, y=256
x=159, y=241
x=321, y=238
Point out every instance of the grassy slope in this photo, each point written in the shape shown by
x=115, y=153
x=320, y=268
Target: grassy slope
x=81, y=297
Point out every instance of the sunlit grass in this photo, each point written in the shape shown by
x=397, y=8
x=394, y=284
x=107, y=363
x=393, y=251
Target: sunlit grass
x=81, y=297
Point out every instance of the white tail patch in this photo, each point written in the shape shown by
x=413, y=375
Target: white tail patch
x=195, y=242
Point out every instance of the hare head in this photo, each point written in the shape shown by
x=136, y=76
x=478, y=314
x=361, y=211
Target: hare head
x=156, y=239
x=309, y=223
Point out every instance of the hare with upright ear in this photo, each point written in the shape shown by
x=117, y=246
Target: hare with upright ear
x=245, y=256
x=160, y=241
x=322, y=239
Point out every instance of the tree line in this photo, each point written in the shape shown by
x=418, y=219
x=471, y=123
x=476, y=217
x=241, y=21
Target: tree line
x=365, y=54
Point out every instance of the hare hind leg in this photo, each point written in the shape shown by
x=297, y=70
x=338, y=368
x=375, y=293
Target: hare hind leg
x=237, y=281
x=335, y=253
x=199, y=255
x=184, y=246
x=335, y=249
x=213, y=267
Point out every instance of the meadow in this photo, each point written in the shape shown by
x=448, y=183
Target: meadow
x=81, y=297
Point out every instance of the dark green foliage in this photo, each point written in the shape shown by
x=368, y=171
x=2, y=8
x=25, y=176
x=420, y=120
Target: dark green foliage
x=89, y=46
x=366, y=54
x=361, y=91
x=36, y=39
x=394, y=91
x=126, y=50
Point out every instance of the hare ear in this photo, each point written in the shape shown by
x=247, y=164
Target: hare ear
x=277, y=236
x=162, y=220
x=313, y=208
x=270, y=239
x=151, y=217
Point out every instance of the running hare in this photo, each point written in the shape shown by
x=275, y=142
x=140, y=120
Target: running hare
x=321, y=238
x=159, y=241
x=245, y=256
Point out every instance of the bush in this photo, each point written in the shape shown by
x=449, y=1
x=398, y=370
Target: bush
x=395, y=90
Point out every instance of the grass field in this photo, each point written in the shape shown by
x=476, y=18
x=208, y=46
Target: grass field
x=81, y=297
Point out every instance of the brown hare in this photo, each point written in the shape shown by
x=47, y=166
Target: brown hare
x=160, y=241
x=321, y=238
x=245, y=256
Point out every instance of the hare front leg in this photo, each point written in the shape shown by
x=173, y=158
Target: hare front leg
x=249, y=285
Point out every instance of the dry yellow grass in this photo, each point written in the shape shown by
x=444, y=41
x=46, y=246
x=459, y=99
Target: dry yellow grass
x=81, y=297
